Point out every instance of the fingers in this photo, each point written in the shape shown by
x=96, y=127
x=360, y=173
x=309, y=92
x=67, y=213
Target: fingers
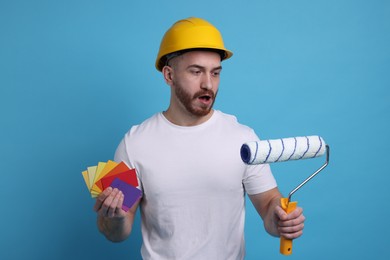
x=100, y=199
x=291, y=232
x=290, y=225
x=109, y=203
x=280, y=213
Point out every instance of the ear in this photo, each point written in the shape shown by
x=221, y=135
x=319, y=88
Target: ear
x=167, y=72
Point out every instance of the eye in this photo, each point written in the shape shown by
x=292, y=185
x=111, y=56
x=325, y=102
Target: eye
x=196, y=72
x=216, y=73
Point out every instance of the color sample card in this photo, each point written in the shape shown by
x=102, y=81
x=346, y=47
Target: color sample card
x=116, y=175
x=131, y=193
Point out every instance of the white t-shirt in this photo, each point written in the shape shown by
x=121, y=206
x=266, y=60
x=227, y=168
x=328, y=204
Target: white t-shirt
x=194, y=184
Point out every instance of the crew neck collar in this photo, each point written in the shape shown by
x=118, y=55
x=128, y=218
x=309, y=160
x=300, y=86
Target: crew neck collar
x=201, y=125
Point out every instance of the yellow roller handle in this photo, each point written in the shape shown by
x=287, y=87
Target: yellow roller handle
x=286, y=244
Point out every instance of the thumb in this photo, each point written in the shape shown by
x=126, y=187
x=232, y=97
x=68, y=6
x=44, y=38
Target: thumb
x=280, y=213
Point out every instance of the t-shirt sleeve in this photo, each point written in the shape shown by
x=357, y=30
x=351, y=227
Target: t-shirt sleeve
x=121, y=155
x=258, y=178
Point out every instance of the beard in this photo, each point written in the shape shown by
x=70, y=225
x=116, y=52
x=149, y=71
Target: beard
x=187, y=100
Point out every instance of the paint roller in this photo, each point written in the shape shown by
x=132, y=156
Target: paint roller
x=285, y=149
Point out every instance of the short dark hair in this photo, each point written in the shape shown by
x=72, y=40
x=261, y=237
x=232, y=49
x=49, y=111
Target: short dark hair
x=165, y=59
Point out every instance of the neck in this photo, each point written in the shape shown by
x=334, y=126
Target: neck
x=186, y=119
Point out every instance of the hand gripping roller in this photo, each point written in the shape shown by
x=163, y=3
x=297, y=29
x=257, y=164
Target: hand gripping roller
x=285, y=149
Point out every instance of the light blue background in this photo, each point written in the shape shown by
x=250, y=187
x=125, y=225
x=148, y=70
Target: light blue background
x=75, y=75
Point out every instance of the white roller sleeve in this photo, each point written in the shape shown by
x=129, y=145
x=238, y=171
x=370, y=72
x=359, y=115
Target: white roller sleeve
x=279, y=150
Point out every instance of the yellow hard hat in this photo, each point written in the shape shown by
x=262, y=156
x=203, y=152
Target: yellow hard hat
x=191, y=33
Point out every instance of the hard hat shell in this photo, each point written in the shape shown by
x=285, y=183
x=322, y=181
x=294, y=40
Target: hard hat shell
x=191, y=33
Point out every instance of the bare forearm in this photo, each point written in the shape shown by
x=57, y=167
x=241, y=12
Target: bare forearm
x=265, y=204
x=115, y=229
x=270, y=220
x=276, y=221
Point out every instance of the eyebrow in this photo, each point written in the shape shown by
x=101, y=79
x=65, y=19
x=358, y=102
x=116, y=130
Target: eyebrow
x=202, y=67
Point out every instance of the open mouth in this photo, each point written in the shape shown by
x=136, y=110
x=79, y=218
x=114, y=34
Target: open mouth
x=205, y=98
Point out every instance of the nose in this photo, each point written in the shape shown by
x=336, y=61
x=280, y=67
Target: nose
x=207, y=82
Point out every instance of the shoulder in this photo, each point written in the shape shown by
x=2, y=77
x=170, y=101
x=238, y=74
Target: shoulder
x=231, y=122
x=228, y=118
x=137, y=137
x=150, y=123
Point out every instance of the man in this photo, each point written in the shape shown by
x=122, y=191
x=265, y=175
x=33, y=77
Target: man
x=188, y=162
